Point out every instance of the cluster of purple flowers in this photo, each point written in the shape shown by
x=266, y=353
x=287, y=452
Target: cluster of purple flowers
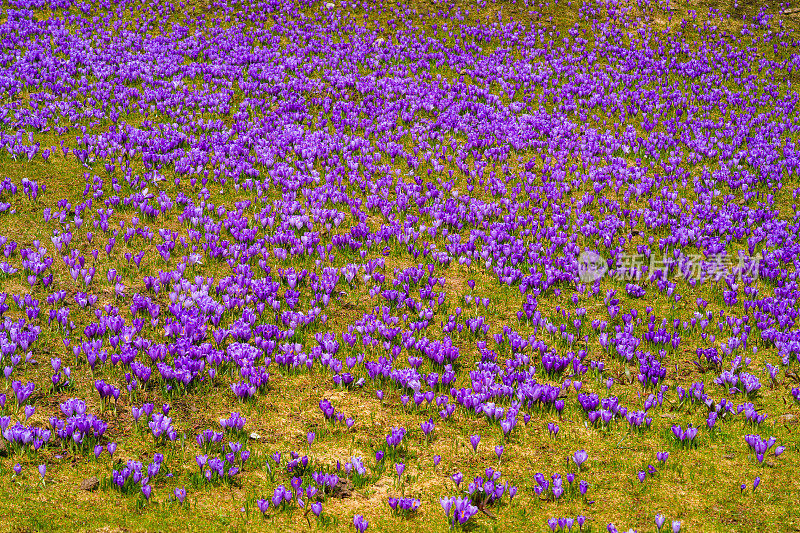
x=20, y=436
x=62, y=377
x=485, y=490
x=395, y=437
x=334, y=198
x=741, y=382
x=134, y=473
x=224, y=467
x=298, y=464
x=80, y=429
x=554, y=489
x=208, y=439
x=751, y=414
x=355, y=467
x=234, y=423
x=106, y=391
x=331, y=415
x=22, y=392
x=694, y=395
x=146, y=410
x=601, y=413
x=761, y=446
x=360, y=523
x=325, y=481
x=566, y=523
x=404, y=506
x=161, y=427
x=458, y=510
x=685, y=437
x=284, y=496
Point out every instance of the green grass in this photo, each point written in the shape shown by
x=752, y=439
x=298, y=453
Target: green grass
x=697, y=486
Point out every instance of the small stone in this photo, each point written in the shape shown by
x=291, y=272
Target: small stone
x=90, y=483
x=329, y=5
x=255, y=436
x=343, y=489
x=379, y=41
x=788, y=418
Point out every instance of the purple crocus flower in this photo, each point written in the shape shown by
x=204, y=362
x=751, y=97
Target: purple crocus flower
x=499, y=451
x=512, y=492
x=474, y=440
x=580, y=457
x=463, y=510
x=447, y=504
x=296, y=483
x=427, y=427
x=360, y=523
